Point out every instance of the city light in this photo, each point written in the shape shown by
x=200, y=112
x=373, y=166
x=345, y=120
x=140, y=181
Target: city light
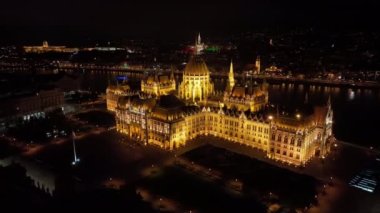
x=256, y=117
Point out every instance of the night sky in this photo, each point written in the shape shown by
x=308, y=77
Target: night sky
x=28, y=20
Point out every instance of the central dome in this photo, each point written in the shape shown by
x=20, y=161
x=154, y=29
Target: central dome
x=196, y=66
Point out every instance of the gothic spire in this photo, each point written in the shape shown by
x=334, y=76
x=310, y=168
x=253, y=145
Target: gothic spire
x=257, y=65
x=231, y=79
x=198, y=44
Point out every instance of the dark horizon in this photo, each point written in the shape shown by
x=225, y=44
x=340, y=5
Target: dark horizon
x=72, y=21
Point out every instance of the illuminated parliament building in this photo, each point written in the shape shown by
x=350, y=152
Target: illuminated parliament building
x=169, y=116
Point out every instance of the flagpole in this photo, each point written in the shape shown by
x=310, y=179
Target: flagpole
x=76, y=160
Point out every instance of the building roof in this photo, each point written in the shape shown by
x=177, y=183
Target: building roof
x=239, y=91
x=161, y=79
x=196, y=66
x=136, y=101
x=291, y=117
x=169, y=102
x=169, y=107
x=244, y=91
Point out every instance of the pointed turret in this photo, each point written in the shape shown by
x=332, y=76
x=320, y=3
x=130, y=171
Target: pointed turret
x=198, y=45
x=231, y=79
x=257, y=65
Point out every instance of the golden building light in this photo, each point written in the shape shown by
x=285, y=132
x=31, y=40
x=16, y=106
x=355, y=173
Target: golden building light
x=170, y=121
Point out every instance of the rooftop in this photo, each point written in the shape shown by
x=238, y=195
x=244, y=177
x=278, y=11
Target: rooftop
x=196, y=66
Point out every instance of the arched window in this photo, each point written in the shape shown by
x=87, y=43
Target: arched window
x=273, y=136
x=286, y=139
x=279, y=137
x=299, y=142
x=292, y=141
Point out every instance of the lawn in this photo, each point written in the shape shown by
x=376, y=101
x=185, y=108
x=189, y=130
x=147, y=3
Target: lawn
x=259, y=178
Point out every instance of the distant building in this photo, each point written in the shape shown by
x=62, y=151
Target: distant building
x=30, y=104
x=199, y=46
x=46, y=48
x=273, y=69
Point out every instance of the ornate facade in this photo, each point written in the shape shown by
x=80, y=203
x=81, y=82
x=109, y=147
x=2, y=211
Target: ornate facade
x=251, y=96
x=196, y=84
x=169, y=123
x=159, y=84
x=113, y=93
x=296, y=139
x=243, y=116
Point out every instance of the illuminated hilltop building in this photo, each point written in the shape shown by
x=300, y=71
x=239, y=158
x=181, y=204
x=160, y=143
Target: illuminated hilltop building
x=199, y=46
x=46, y=48
x=243, y=116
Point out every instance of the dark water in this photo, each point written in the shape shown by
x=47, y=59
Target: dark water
x=356, y=111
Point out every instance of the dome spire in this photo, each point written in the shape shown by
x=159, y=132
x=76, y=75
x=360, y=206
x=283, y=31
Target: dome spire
x=198, y=45
x=231, y=79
